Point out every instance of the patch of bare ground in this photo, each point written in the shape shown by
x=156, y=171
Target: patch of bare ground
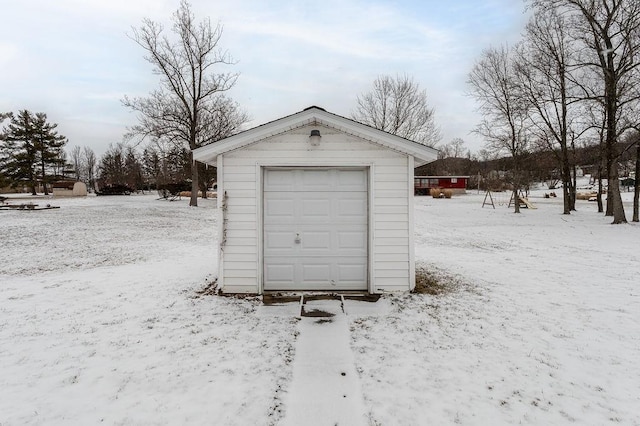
x=435, y=281
x=210, y=288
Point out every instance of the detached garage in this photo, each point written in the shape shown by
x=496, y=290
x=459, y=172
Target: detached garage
x=315, y=202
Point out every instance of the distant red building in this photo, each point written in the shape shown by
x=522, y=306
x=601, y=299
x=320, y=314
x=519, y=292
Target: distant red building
x=423, y=184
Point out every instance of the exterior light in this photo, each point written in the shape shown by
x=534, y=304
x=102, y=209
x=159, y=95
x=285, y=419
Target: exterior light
x=314, y=138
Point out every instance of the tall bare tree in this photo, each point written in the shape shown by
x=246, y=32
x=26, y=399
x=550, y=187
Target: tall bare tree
x=609, y=33
x=636, y=184
x=398, y=106
x=77, y=161
x=504, y=109
x=90, y=162
x=191, y=94
x=545, y=60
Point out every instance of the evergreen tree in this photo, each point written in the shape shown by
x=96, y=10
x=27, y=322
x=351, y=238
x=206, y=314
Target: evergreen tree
x=48, y=145
x=31, y=147
x=20, y=151
x=152, y=168
x=120, y=165
x=133, y=169
x=4, y=155
x=112, y=168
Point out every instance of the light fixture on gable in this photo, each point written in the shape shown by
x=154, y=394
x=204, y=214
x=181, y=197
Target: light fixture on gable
x=314, y=137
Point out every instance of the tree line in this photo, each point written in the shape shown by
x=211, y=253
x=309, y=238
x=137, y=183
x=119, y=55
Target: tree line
x=191, y=108
x=154, y=167
x=33, y=156
x=573, y=79
x=539, y=166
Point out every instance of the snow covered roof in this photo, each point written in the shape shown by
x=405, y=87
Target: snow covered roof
x=316, y=116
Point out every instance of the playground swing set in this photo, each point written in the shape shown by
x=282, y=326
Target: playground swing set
x=491, y=198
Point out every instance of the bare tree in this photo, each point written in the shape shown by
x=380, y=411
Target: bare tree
x=597, y=116
x=191, y=90
x=77, y=161
x=608, y=32
x=636, y=184
x=544, y=63
x=91, y=163
x=503, y=107
x=84, y=162
x=452, y=149
x=398, y=106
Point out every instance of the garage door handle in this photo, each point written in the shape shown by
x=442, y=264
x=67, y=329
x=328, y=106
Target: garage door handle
x=298, y=240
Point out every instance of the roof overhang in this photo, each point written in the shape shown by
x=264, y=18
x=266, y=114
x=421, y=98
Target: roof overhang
x=422, y=154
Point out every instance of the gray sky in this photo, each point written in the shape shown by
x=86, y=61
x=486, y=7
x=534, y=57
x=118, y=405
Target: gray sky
x=73, y=60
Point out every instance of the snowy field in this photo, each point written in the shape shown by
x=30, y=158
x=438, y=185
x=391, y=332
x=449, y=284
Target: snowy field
x=100, y=321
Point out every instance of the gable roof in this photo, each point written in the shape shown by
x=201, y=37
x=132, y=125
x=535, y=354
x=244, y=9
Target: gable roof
x=315, y=116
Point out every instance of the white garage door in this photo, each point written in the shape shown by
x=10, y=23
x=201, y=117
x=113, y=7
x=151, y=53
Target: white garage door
x=315, y=229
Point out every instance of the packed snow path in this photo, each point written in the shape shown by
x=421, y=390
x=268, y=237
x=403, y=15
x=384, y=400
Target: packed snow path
x=325, y=389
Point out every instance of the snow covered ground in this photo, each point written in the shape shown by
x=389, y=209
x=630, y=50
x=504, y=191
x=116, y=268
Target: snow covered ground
x=100, y=321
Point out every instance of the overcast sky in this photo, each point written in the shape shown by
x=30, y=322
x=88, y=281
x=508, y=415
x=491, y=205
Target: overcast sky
x=73, y=60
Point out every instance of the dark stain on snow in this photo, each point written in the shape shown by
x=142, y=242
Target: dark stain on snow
x=316, y=313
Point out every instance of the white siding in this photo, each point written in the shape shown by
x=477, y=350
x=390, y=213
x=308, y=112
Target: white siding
x=241, y=174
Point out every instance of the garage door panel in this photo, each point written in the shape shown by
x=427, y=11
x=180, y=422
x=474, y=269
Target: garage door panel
x=314, y=209
x=280, y=273
x=279, y=240
x=351, y=240
x=279, y=209
x=312, y=180
x=352, y=207
x=351, y=272
x=319, y=273
x=315, y=229
x=351, y=180
x=314, y=240
x=279, y=180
